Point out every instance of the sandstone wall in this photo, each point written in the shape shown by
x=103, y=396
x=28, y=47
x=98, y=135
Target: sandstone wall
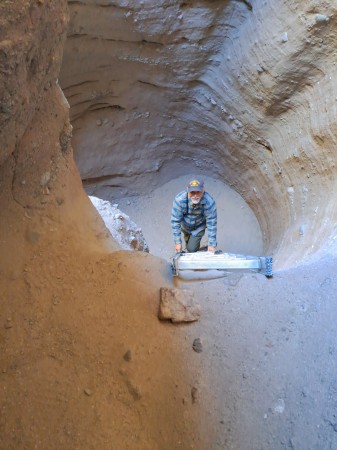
x=242, y=91
x=41, y=194
x=69, y=307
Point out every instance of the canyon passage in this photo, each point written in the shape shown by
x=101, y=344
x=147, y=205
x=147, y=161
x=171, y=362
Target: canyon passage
x=126, y=100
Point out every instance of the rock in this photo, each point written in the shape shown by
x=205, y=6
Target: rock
x=128, y=235
x=321, y=18
x=127, y=356
x=88, y=392
x=178, y=305
x=45, y=178
x=197, y=345
x=284, y=37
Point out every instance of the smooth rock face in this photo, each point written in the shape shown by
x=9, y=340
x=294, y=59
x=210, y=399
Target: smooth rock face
x=178, y=305
x=244, y=92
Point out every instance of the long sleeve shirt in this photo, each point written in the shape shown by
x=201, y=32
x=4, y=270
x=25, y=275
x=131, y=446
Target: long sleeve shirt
x=194, y=218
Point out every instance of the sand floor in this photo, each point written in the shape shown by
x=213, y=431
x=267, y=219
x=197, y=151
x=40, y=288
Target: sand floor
x=269, y=345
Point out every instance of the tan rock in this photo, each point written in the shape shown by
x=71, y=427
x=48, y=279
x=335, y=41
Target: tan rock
x=178, y=305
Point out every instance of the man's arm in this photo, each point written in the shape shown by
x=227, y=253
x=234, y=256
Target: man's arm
x=176, y=218
x=211, y=222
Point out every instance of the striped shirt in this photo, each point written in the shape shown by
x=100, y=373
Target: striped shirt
x=189, y=217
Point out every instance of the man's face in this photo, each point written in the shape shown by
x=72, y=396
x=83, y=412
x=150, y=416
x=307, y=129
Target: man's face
x=195, y=196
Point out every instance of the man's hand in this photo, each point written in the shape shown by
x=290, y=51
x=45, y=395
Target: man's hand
x=211, y=248
x=178, y=248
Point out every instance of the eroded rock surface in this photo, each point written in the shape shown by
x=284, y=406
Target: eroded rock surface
x=122, y=228
x=241, y=91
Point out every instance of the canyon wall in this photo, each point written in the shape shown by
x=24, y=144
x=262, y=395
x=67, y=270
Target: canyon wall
x=80, y=341
x=241, y=91
x=41, y=193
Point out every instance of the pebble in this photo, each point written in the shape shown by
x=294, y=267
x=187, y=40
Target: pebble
x=127, y=356
x=284, y=37
x=88, y=392
x=321, y=18
x=45, y=178
x=197, y=345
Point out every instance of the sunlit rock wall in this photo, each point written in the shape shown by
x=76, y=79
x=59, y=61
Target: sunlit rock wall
x=242, y=91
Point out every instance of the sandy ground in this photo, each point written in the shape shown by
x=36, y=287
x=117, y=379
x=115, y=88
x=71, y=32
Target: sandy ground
x=86, y=364
x=269, y=345
x=84, y=361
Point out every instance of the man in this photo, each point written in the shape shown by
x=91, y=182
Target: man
x=194, y=210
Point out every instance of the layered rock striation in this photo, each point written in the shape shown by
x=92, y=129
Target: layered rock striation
x=244, y=92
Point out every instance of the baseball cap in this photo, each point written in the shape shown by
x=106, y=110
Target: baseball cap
x=195, y=185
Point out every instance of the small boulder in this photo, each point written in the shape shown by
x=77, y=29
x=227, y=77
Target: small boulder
x=178, y=305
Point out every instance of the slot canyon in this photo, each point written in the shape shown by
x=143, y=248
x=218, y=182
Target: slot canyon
x=127, y=100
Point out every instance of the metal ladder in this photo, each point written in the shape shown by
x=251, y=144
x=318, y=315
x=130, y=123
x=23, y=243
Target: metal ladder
x=221, y=261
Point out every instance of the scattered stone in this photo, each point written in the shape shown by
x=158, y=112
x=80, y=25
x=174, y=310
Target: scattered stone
x=178, y=305
x=99, y=122
x=321, y=18
x=194, y=394
x=88, y=392
x=127, y=356
x=45, y=178
x=197, y=345
x=284, y=37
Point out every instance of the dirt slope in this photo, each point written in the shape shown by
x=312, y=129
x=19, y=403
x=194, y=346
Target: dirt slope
x=70, y=312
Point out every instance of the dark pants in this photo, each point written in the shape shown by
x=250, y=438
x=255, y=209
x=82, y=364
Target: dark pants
x=193, y=242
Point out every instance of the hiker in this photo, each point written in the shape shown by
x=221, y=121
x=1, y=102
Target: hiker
x=193, y=210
